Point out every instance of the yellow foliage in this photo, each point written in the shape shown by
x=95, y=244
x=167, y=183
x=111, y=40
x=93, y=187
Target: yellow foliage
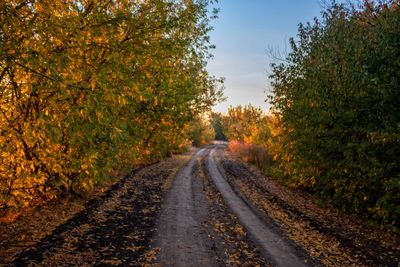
x=84, y=90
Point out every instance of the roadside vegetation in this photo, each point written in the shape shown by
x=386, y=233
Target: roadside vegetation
x=334, y=126
x=90, y=87
x=248, y=129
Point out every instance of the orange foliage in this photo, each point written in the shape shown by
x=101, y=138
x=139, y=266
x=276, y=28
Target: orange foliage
x=251, y=153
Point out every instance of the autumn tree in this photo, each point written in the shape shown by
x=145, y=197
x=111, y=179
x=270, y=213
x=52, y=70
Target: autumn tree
x=201, y=131
x=248, y=131
x=246, y=124
x=88, y=86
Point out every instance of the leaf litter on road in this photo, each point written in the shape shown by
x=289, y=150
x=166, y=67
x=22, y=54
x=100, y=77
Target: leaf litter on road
x=233, y=246
x=113, y=228
x=336, y=239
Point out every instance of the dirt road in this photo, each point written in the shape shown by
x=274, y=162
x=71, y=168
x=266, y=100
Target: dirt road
x=204, y=208
x=181, y=237
x=183, y=240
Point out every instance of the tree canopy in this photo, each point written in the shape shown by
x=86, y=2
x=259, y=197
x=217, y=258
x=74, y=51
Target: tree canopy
x=87, y=86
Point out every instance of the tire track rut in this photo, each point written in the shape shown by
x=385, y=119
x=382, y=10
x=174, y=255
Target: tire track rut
x=182, y=239
x=275, y=247
x=182, y=236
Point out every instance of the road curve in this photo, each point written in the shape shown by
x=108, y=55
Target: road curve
x=277, y=249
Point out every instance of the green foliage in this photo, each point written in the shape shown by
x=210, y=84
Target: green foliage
x=201, y=130
x=218, y=127
x=89, y=86
x=337, y=101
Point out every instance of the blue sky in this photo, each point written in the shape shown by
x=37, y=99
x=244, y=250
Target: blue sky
x=243, y=33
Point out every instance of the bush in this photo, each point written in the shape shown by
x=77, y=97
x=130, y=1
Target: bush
x=337, y=102
x=257, y=155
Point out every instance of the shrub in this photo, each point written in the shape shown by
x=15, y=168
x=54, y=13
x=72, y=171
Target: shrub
x=337, y=102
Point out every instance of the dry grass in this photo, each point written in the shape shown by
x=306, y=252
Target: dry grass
x=254, y=154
